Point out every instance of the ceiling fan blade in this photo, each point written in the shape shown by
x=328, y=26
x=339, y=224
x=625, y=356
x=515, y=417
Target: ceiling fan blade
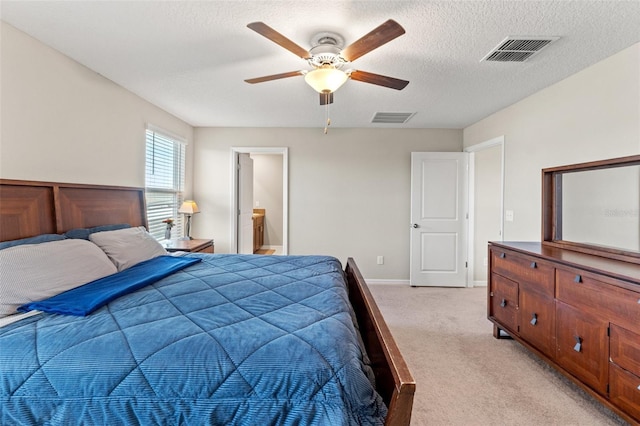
x=326, y=98
x=380, y=80
x=274, y=77
x=376, y=38
x=268, y=32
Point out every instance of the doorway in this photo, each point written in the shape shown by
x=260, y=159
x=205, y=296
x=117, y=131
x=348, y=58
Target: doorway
x=279, y=214
x=485, y=216
x=486, y=204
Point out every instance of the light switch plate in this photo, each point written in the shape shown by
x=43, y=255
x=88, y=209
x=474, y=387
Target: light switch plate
x=508, y=215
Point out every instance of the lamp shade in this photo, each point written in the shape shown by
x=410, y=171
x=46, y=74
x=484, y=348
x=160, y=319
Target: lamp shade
x=326, y=79
x=189, y=207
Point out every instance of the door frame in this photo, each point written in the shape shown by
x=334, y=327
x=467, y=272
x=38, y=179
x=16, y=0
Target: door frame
x=497, y=141
x=235, y=151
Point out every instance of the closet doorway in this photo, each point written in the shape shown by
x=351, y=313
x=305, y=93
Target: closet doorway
x=268, y=191
x=486, y=204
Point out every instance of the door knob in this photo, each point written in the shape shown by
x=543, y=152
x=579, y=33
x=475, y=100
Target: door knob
x=415, y=225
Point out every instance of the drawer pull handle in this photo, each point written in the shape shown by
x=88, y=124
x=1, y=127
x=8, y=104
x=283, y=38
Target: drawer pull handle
x=503, y=255
x=533, y=265
x=577, y=279
x=503, y=303
x=578, y=345
x=534, y=320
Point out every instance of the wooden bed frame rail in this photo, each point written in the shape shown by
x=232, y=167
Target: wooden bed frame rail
x=29, y=208
x=394, y=381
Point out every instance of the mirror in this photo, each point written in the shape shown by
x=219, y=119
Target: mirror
x=594, y=207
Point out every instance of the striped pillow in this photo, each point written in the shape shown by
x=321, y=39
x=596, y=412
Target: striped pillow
x=38, y=271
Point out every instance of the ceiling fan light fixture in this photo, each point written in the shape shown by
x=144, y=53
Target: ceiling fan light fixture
x=326, y=79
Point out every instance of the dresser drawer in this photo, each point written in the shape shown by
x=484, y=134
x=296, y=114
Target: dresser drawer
x=538, y=321
x=624, y=391
x=583, y=345
x=526, y=270
x=625, y=349
x=582, y=290
x=504, y=301
x=208, y=249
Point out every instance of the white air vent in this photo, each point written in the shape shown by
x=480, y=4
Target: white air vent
x=518, y=49
x=392, y=117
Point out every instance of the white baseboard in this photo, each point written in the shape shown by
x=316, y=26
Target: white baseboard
x=386, y=282
x=407, y=282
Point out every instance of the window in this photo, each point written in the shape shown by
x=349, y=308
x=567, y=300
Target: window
x=164, y=182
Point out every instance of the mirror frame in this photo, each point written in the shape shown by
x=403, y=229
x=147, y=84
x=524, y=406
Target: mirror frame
x=552, y=209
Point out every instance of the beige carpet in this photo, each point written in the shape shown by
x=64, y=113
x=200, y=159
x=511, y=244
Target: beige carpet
x=466, y=377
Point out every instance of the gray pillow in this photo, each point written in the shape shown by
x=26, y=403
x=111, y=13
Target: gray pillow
x=33, y=272
x=127, y=247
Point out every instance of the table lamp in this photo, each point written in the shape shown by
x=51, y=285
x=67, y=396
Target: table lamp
x=188, y=208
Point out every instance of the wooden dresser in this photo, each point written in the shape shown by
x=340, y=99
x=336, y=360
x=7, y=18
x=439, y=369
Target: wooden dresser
x=579, y=312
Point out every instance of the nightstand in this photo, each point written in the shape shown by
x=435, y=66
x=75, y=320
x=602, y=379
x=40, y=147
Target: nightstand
x=193, y=246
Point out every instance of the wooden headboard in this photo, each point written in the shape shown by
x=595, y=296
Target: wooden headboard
x=29, y=208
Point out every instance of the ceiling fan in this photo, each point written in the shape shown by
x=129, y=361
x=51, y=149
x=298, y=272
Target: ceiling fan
x=327, y=57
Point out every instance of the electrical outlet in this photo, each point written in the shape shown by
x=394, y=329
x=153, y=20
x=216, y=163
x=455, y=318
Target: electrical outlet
x=380, y=260
x=485, y=262
x=257, y=203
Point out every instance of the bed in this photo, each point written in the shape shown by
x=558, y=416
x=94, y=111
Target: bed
x=225, y=339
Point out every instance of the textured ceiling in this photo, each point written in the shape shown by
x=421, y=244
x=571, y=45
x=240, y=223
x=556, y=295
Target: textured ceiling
x=191, y=57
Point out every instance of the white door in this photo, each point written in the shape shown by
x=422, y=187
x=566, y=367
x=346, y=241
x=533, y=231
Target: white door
x=245, y=204
x=439, y=219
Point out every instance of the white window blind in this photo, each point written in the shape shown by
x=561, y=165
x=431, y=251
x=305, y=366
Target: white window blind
x=164, y=182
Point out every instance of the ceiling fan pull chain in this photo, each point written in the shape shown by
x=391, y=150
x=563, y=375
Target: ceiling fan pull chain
x=326, y=127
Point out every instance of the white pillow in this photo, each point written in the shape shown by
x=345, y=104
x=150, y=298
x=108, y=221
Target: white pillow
x=127, y=247
x=34, y=272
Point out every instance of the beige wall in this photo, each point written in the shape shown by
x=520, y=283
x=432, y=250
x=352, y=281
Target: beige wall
x=348, y=190
x=592, y=115
x=63, y=122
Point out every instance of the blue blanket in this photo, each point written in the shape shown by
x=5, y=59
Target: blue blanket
x=231, y=340
x=85, y=299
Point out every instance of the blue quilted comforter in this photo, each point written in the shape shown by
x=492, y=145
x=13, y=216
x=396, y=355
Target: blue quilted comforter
x=234, y=339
